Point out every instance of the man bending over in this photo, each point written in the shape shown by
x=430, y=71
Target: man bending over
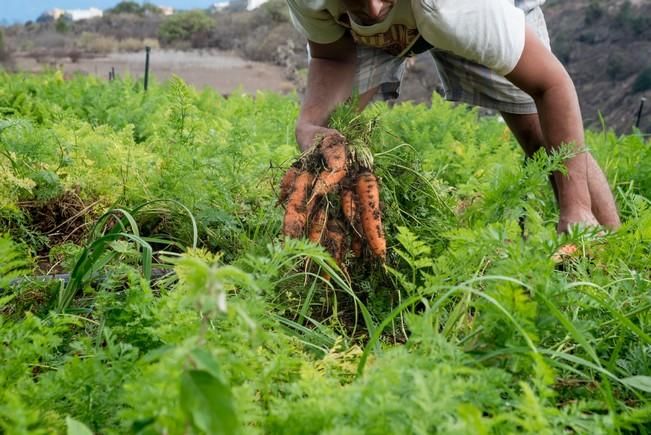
x=491, y=53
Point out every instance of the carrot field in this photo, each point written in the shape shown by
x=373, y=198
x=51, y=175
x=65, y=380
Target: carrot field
x=145, y=287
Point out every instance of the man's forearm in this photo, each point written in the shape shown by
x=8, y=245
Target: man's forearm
x=329, y=82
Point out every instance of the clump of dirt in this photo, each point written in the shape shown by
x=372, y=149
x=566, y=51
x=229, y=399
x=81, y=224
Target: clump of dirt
x=65, y=218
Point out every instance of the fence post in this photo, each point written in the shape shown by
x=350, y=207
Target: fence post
x=147, y=51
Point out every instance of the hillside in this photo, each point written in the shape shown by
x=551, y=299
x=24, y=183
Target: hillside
x=606, y=47
x=608, y=51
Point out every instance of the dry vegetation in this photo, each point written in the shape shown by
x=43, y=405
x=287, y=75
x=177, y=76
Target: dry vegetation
x=262, y=35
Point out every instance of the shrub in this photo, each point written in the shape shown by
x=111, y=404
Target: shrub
x=562, y=48
x=643, y=81
x=131, y=44
x=274, y=10
x=62, y=24
x=263, y=46
x=102, y=45
x=186, y=27
x=126, y=7
x=131, y=7
x=151, y=42
x=594, y=12
x=620, y=66
x=629, y=18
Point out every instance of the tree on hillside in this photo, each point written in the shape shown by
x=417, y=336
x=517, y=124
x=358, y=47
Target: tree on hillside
x=186, y=27
x=132, y=7
x=126, y=7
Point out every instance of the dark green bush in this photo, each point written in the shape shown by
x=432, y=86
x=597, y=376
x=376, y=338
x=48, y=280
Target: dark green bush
x=629, y=18
x=63, y=24
x=126, y=7
x=594, y=12
x=186, y=27
x=621, y=66
x=562, y=48
x=643, y=81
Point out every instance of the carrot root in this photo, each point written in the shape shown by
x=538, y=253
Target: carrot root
x=287, y=183
x=370, y=215
x=296, y=212
x=317, y=224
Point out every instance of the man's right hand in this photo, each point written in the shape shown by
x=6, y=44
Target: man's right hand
x=308, y=134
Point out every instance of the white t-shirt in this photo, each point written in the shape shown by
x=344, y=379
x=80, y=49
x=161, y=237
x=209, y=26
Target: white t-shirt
x=488, y=32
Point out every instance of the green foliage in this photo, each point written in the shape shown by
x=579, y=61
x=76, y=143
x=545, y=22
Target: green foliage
x=76, y=427
x=132, y=7
x=594, y=11
x=206, y=398
x=185, y=26
x=276, y=11
x=629, y=18
x=247, y=335
x=62, y=24
x=12, y=264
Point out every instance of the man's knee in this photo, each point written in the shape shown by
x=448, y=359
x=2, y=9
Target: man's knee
x=367, y=97
x=527, y=131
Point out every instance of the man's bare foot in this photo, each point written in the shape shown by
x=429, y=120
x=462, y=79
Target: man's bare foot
x=583, y=218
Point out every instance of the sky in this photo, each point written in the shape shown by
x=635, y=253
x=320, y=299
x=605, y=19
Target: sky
x=12, y=11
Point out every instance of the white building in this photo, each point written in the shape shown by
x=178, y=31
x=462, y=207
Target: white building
x=166, y=10
x=250, y=4
x=84, y=14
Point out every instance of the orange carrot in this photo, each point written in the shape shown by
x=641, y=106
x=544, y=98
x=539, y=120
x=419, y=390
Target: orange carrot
x=350, y=209
x=335, y=241
x=317, y=224
x=296, y=212
x=287, y=183
x=333, y=150
x=349, y=206
x=369, y=202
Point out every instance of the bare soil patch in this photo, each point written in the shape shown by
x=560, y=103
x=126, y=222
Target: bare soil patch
x=223, y=71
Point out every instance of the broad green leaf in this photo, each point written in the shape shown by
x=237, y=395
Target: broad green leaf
x=642, y=383
x=208, y=403
x=76, y=427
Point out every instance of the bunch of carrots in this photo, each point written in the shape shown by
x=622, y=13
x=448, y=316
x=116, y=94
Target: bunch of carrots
x=334, y=199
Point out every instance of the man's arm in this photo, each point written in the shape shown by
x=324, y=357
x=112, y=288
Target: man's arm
x=542, y=76
x=330, y=79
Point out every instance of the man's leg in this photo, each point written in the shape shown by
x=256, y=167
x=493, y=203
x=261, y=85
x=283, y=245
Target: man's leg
x=367, y=97
x=526, y=129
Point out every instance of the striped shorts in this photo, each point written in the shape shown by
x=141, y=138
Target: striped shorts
x=463, y=80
